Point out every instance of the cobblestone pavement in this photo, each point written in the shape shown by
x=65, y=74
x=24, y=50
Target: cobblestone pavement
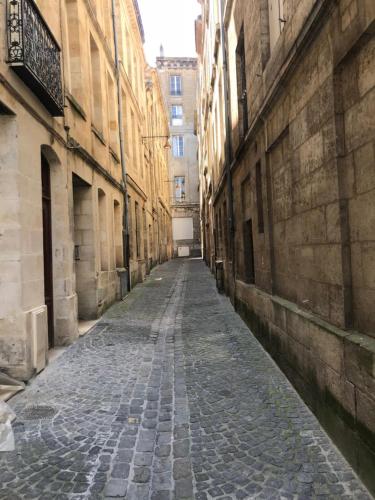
x=170, y=396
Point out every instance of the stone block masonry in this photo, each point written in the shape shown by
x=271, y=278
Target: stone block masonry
x=289, y=204
x=65, y=241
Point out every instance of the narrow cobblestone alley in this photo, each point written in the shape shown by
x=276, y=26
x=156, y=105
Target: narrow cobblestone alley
x=170, y=396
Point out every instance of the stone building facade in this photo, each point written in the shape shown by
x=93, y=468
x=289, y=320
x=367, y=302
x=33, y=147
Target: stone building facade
x=287, y=172
x=178, y=76
x=68, y=167
x=159, y=224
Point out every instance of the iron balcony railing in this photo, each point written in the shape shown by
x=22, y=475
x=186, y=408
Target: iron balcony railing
x=34, y=54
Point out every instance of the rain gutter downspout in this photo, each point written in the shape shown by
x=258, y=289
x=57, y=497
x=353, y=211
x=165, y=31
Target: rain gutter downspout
x=228, y=144
x=125, y=214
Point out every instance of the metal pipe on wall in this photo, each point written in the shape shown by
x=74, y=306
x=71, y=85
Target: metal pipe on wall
x=228, y=142
x=125, y=215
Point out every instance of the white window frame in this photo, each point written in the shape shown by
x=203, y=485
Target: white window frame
x=175, y=84
x=179, y=187
x=177, y=117
x=178, y=146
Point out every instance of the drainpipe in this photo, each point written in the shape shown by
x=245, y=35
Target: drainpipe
x=228, y=144
x=125, y=214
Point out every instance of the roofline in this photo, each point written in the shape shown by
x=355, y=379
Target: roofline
x=139, y=20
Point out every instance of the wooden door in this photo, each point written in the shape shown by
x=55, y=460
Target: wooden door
x=47, y=247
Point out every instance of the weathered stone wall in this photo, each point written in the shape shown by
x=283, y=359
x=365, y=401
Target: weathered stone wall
x=82, y=150
x=357, y=79
x=302, y=178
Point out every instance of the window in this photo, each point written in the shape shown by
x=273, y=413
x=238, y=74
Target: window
x=103, y=239
x=177, y=115
x=74, y=49
x=133, y=140
x=276, y=20
x=248, y=245
x=178, y=146
x=144, y=220
x=140, y=152
x=117, y=221
x=137, y=231
x=127, y=120
x=129, y=63
x=225, y=228
x=216, y=236
x=151, y=240
x=175, y=85
x=258, y=182
x=135, y=74
x=179, y=183
x=96, y=85
x=112, y=116
x=241, y=85
x=220, y=235
x=130, y=241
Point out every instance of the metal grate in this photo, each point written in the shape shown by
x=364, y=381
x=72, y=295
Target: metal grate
x=39, y=412
x=34, y=54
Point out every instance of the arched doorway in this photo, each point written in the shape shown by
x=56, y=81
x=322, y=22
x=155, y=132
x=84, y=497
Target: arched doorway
x=47, y=246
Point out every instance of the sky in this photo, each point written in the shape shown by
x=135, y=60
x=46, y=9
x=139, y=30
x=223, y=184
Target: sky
x=170, y=23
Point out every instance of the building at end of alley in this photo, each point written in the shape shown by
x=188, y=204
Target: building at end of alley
x=178, y=76
x=287, y=166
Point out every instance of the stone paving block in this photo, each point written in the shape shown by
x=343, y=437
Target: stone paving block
x=163, y=451
x=120, y=470
x=181, y=448
x=162, y=464
x=141, y=475
x=143, y=459
x=149, y=423
x=161, y=481
x=165, y=427
x=116, y=488
x=164, y=438
x=184, y=489
x=161, y=495
x=138, y=492
x=147, y=435
x=145, y=445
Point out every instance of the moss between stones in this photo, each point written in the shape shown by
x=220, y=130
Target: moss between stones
x=356, y=442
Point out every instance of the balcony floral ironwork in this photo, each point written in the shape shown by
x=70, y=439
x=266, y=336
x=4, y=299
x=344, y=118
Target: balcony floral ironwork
x=34, y=54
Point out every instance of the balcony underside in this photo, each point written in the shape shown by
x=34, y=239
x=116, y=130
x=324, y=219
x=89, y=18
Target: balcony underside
x=34, y=54
x=29, y=79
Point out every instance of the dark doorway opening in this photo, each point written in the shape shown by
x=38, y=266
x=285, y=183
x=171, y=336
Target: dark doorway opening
x=47, y=247
x=84, y=249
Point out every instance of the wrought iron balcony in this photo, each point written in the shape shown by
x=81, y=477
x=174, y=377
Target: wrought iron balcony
x=34, y=54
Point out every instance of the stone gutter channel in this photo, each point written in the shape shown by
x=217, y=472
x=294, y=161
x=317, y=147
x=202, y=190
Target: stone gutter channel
x=161, y=465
